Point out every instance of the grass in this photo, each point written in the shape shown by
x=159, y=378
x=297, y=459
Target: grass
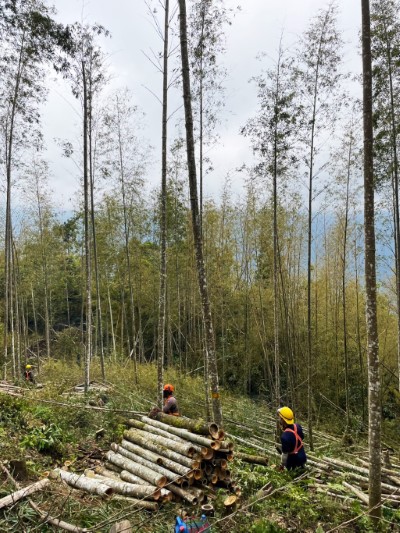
x=47, y=435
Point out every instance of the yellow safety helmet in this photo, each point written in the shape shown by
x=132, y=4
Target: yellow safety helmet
x=286, y=414
x=28, y=367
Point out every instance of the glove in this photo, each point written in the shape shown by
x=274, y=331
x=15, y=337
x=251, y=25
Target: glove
x=278, y=448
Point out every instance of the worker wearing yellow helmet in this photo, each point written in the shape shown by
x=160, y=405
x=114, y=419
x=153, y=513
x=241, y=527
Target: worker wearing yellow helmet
x=293, y=453
x=29, y=375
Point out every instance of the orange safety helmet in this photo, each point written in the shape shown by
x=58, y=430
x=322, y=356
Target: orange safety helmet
x=168, y=387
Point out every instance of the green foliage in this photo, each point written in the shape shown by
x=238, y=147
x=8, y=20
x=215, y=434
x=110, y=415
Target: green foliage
x=46, y=439
x=11, y=412
x=265, y=526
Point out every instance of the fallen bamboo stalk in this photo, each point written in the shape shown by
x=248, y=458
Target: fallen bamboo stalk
x=360, y=495
x=93, y=486
x=255, y=459
x=246, y=442
x=22, y=493
x=138, y=469
x=162, y=450
x=46, y=518
x=358, y=477
x=156, y=458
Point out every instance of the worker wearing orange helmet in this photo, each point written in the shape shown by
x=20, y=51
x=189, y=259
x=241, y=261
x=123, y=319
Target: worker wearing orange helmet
x=170, y=403
x=293, y=453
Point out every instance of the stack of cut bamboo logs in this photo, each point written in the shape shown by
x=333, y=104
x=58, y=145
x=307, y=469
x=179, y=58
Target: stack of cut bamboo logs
x=160, y=460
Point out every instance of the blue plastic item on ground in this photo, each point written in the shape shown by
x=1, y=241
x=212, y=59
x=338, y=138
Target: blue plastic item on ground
x=192, y=525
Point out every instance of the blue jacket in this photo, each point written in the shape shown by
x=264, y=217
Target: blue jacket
x=289, y=442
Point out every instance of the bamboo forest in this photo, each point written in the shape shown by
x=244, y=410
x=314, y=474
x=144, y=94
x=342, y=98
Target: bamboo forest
x=200, y=266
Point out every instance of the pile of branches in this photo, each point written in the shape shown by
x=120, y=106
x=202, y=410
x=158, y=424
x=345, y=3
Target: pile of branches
x=162, y=459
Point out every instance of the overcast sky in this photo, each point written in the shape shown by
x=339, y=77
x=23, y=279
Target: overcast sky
x=256, y=28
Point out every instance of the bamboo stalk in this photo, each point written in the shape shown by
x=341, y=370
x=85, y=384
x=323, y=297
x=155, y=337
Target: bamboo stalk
x=184, y=494
x=132, y=478
x=360, y=495
x=197, y=426
x=22, y=493
x=142, y=504
x=93, y=486
x=45, y=517
x=255, y=459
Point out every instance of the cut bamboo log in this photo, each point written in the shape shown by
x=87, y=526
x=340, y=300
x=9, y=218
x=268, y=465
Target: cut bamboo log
x=197, y=426
x=185, y=494
x=141, y=504
x=139, y=470
x=207, y=453
x=112, y=467
x=187, y=448
x=171, y=476
x=156, y=458
x=93, y=486
x=162, y=450
x=128, y=489
x=179, y=432
x=161, y=432
x=22, y=493
x=131, y=478
x=255, y=459
x=107, y=473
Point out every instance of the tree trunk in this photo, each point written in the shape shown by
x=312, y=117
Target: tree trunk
x=210, y=351
x=88, y=269
x=163, y=218
x=374, y=408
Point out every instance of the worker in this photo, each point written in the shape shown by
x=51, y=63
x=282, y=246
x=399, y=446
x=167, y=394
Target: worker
x=293, y=453
x=29, y=375
x=170, y=403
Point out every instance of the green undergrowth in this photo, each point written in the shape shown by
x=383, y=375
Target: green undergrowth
x=46, y=434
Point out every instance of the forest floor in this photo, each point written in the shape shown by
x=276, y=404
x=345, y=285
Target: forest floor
x=49, y=427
